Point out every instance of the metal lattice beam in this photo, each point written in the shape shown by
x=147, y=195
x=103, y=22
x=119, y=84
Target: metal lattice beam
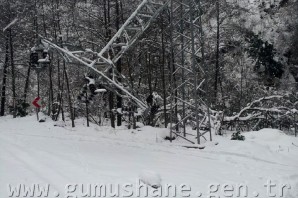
x=124, y=39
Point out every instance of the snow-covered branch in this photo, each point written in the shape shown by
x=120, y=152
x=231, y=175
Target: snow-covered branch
x=250, y=106
x=10, y=24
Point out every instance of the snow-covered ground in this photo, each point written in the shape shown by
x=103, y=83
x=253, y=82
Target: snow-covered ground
x=73, y=161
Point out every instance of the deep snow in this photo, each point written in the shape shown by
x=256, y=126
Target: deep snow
x=41, y=153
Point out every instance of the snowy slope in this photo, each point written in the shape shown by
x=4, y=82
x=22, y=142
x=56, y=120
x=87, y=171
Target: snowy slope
x=41, y=153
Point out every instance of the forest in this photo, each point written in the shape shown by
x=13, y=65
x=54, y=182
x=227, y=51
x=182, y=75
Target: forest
x=207, y=65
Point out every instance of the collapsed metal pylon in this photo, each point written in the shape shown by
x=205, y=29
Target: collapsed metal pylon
x=124, y=39
x=186, y=47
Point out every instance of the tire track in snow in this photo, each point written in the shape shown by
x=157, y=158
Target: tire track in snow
x=248, y=157
x=39, y=167
x=35, y=168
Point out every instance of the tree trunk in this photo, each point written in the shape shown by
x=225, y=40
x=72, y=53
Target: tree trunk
x=5, y=67
x=217, y=52
x=60, y=94
x=107, y=20
x=119, y=67
x=51, y=92
x=13, y=77
x=162, y=68
x=69, y=98
x=183, y=72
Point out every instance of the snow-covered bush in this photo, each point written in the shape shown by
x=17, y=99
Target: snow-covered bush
x=237, y=136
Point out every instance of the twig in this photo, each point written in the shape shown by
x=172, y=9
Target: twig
x=294, y=144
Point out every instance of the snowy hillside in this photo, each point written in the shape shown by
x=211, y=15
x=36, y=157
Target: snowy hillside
x=33, y=153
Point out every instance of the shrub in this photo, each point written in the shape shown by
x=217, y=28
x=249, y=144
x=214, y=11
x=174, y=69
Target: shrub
x=237, y=136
